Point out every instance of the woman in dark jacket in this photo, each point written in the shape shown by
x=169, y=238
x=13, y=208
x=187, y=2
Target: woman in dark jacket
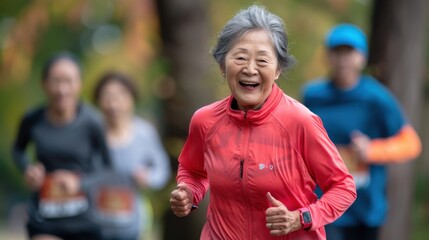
x=67, y=136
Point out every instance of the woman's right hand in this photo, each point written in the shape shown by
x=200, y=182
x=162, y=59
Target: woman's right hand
x=35, y=175
x=181, y=200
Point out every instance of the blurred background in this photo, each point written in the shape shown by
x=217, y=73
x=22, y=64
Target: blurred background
x=165, y=45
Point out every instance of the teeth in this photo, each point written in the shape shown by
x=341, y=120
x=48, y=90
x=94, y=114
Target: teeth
x=249, y=83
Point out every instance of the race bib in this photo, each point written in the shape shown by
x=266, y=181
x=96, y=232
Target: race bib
x=358, y=169
x=55, y=203
x=115, y=204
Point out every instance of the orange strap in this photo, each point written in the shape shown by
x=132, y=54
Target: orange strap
x=403, y=146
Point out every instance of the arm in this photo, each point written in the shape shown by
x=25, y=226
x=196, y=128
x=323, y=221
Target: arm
x=329, y=171
x=23, y=138
x=191, y=177
x=34, y=174
x=399, y=141
x=99, y=139
x=159, y=172
x=403, y=146
x=191, y=160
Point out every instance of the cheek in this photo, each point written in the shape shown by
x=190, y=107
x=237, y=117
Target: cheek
x=76, y=88
x=231, y=84
x=360, y=62
x=331, y=60
x=128, y=105
x=104, y=105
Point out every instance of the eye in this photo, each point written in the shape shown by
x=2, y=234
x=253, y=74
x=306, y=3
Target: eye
x=240, y=60
x=262, y=62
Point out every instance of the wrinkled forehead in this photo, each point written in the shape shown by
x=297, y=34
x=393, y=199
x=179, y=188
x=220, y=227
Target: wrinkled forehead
x=259, y=38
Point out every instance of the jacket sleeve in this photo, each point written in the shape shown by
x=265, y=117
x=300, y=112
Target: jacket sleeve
x=403, y=146
x=398, y=141
x=100, y=143
x=191, y=160
x=326, y=167
x=21, y=142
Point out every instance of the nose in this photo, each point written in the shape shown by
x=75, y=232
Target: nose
x=251, y=68
x=63, y=88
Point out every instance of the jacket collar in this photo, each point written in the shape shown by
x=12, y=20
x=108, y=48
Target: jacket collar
x=256, y=116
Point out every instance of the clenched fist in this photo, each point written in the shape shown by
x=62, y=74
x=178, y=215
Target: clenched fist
x=181, y=200
x=35, y=175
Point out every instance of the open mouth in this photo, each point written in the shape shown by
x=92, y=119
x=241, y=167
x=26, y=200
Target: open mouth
x=249, y=84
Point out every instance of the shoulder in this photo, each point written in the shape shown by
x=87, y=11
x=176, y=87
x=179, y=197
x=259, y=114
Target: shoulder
x=295, y=121
x=377, y=91
x=315, y=87
x=143, y=127
x=141, y=123
x=208, y=115
x=290, y=112
x=33, y=115
x=372, y=85
x=90, y=119
x=89, y=114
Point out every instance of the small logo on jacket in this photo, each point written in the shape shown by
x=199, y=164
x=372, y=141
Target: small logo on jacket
x=263, y=166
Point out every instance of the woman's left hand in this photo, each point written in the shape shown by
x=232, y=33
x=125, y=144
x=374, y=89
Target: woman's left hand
x=68, y=181
x=281, y=221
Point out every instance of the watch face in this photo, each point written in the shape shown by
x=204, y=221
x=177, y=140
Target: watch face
x=306, y=217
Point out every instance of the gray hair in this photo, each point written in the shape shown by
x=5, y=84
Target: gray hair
x=254, y=18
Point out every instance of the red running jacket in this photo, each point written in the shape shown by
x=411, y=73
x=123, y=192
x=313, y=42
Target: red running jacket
x=281, y=148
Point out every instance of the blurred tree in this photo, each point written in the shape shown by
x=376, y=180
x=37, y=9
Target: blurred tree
x=184, y=32
x=398, y=43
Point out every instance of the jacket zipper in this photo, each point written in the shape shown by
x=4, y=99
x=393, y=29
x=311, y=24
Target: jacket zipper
x=247, y=130
x=245, y=150
x=241, y=168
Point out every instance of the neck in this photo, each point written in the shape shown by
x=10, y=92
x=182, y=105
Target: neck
x=346, y=82
x=61, y=116
x=119, y=130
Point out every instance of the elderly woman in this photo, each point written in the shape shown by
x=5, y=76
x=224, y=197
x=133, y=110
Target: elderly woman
x=261, y=152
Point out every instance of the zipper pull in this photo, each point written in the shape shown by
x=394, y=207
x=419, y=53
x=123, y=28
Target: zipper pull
x=241, y=168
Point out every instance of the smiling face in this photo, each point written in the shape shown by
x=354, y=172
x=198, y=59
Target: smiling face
x=62, y=87
x=346, y=65
x=116, y=102
x=251, y=68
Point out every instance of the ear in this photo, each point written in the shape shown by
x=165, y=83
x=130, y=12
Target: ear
x=278, y=72
x=362, y=61
x=222, y=71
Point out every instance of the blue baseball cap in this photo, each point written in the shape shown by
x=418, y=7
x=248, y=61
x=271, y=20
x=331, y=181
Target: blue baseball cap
x=346, y=34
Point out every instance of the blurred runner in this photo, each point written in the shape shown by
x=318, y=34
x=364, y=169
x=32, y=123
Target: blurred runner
x=138, y=156
x=367, y=125
x=68, y=138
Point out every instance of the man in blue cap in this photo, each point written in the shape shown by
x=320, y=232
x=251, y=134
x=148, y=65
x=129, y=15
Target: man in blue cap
x=367, y=125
